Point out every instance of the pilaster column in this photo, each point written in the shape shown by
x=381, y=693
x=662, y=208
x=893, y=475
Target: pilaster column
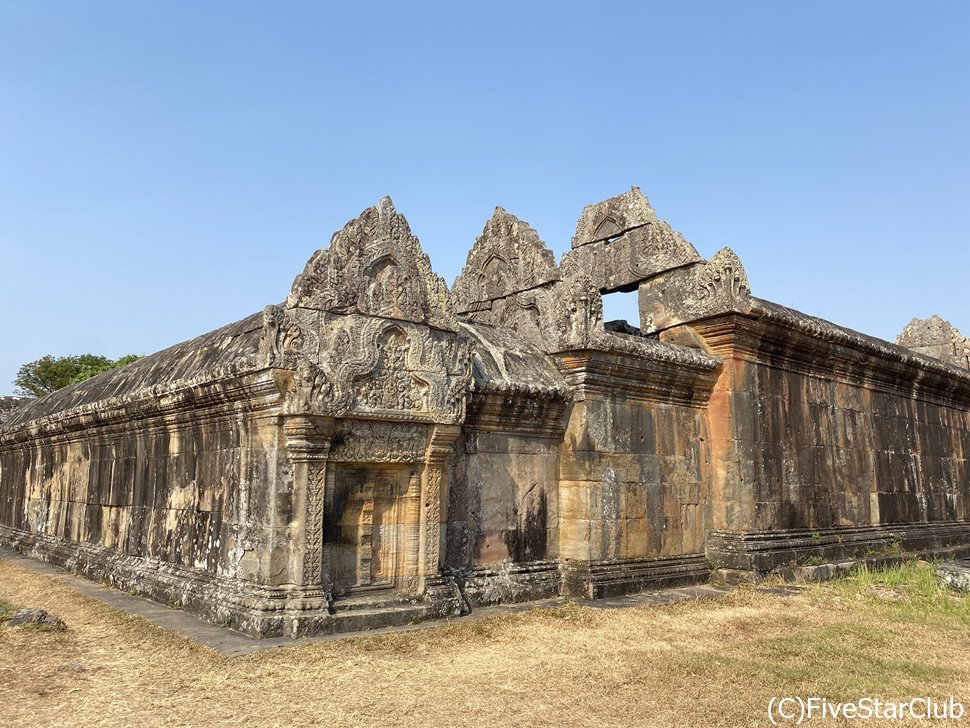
x=308, y=441
x=434, y=489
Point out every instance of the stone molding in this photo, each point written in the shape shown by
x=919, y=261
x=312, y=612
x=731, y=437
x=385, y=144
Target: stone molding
x=775, y=336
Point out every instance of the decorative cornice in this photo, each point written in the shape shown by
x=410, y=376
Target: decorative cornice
x=593, y=371
x=774, y=336
x=521, y=411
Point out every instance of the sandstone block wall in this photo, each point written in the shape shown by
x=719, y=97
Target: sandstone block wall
x=816, y=429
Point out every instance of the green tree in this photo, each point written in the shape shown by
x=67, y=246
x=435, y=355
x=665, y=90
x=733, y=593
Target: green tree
x=49, y=373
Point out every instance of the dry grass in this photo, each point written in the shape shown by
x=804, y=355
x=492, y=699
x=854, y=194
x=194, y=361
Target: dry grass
x=716, y=663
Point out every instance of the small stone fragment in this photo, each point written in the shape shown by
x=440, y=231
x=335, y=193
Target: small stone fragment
x=955, y=574
x=36, y=616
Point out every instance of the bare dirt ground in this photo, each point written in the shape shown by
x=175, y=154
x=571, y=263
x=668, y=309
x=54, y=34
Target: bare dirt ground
x=894, y=635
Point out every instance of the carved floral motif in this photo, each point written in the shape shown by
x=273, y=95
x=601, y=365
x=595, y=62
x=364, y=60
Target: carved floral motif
x=432, y=504
x=282, y=337
x=722, y=279
x=381, y=442
x=313, y=552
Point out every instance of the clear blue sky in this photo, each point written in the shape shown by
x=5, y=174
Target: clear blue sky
x=166, y=168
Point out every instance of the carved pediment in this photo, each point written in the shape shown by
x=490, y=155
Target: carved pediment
x=561, y=316
x=722, y=280
x=620, y=242
x=375, y=266
x=613, y=217
x=937, y=338
x=507, y=258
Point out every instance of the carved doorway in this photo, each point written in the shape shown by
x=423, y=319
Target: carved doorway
x=371, y=528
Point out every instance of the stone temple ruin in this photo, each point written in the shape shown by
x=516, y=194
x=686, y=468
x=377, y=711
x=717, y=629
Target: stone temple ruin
x=380, y=449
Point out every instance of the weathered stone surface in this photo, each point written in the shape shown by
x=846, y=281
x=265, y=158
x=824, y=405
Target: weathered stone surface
x=378, y=450
x=9, y=404
x=38, y=617
x=612, y=218
x=955, y=574
x=508, y=258
x=699, y=291
x=620, y=242
x=375, y=266
x=510, y=281
x=937, y=338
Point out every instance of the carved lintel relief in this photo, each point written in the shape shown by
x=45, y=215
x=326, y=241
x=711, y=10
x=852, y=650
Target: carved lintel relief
x=282, y=338
x=374, y=367
x=363, y=441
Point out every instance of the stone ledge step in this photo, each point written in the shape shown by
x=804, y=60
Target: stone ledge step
x=365, y=619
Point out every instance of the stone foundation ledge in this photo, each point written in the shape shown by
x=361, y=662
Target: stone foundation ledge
x=598, y=579
x=809, y=554
x=253, y=609
x=508, y=583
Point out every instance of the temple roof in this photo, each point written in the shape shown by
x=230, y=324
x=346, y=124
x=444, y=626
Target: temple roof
x=502, y=360
x=207, y=357
x=9, y=404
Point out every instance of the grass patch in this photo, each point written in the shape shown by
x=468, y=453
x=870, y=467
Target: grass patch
x=6, y=610
x=910, y=592
x=892, y=634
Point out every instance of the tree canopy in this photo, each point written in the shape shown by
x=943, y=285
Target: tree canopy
x=49, y=373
